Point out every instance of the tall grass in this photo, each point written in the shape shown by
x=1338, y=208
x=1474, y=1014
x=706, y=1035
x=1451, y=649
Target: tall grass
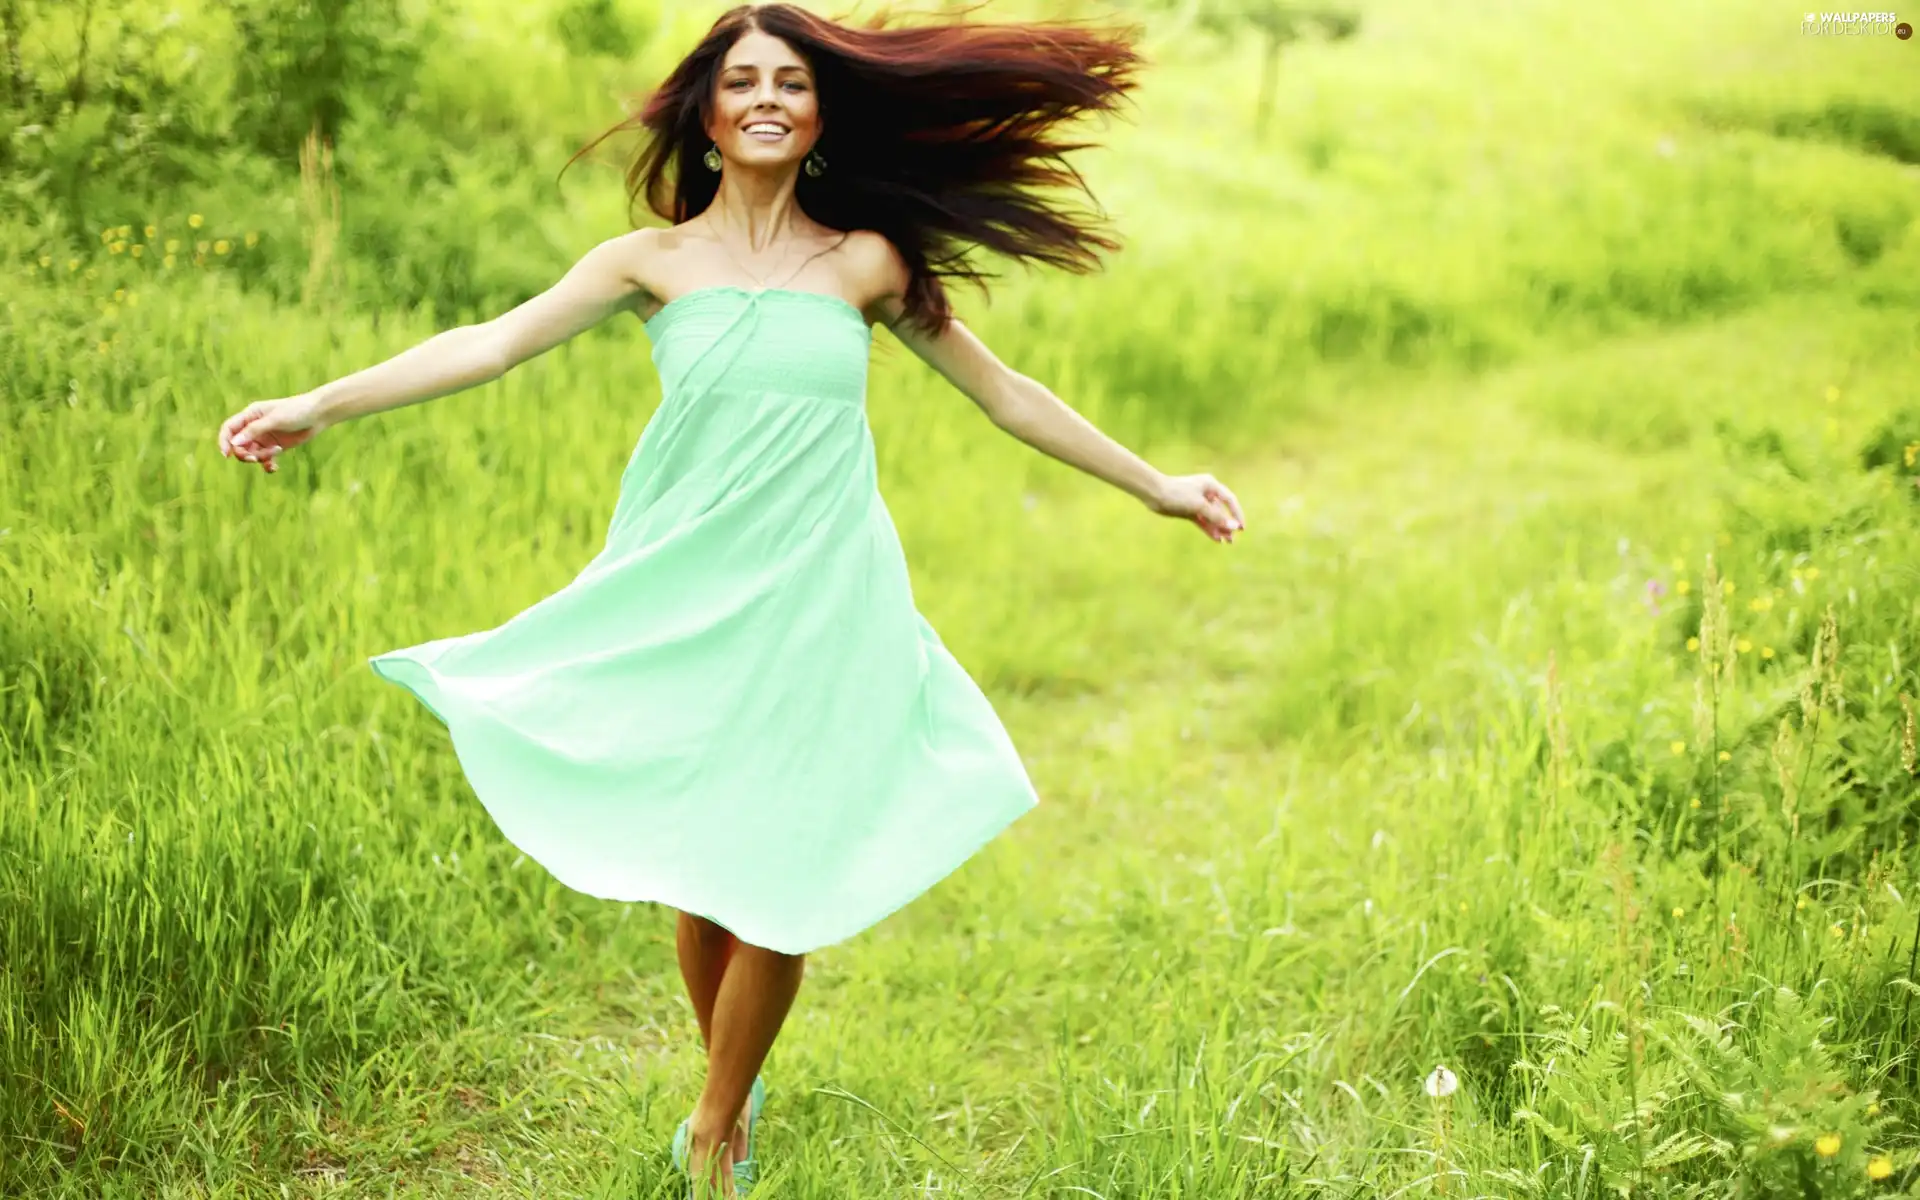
x=1570, y=393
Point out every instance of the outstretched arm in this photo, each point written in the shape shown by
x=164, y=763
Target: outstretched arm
x=1028, y=409
x=603, y=282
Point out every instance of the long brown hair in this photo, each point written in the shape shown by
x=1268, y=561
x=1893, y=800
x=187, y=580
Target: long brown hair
x=938, y=137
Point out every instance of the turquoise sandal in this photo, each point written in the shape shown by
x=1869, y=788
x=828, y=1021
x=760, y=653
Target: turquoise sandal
x=743, y=1171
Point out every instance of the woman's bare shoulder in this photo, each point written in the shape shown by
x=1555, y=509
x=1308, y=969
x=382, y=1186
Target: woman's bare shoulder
x=652, y=254
x=876, y=270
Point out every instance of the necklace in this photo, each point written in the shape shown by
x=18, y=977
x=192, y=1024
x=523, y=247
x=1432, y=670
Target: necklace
x=728, y=250
x=743, y=266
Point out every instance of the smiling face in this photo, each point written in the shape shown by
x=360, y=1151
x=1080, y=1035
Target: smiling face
x=765, y=110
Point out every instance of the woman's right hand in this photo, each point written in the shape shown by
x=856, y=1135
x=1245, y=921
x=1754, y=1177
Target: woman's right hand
x=1203, y=500
x=261, y=430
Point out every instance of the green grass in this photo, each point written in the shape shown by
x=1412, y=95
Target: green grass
x=1391, y=782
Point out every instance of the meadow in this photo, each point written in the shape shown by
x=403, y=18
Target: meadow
x=1524, y=805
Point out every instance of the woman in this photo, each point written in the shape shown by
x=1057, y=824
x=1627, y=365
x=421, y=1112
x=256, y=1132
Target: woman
x=736, y=709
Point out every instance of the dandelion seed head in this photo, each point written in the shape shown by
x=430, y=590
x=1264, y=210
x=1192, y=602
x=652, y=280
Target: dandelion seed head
x=1441, y=1083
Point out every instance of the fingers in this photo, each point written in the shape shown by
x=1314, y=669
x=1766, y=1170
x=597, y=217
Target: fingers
x=1214, y=521
x=232, y=426
x=1220, y=520
x=1219, y=491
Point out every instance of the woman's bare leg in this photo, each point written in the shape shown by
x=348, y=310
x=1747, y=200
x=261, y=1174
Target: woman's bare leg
x=704, y=950
x=756, y=993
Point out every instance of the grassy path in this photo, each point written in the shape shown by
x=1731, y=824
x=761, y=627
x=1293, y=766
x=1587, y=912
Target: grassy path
x=1253, y=910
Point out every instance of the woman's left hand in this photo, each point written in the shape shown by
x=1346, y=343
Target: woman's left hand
x=1203, y=500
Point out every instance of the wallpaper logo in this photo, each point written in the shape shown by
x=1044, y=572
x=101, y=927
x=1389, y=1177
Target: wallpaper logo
x=1857, y=23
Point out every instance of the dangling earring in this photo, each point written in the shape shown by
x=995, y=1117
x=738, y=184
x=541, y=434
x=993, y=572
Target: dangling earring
x=712, y=157
x=815, y=165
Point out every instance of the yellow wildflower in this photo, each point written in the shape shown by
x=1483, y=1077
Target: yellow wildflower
x=1743, y=646
x=167, y=261
x=1827, y=1145
x=1800, y=903
x=1694, y=803
x=138, y=251
x=150, y=231
x=1813, y=573
x=1693, y=643
x=119, y=293
x=1879, y=1168
x=253, y=239
x=133, y=299
x=201, y=246
x=1912, y=454
x=1726, y=756
x=1766, y=652
x=1679, y=564
x=1838, y=931
x=173, y=245
x=1873, y=1108
x=1679, y=747
x=220, y=247
x=1726, y=589
x=46, y=260
x=102, y=348
x=1678, y=913
x=73, y=264
x=1683, y=587
x=193, y=221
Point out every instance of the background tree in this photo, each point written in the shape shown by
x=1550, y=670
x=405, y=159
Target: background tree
x=1274, y=22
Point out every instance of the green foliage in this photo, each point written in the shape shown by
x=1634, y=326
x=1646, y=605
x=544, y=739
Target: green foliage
x=303, y=66
x=1422, y=769
x=590, y=28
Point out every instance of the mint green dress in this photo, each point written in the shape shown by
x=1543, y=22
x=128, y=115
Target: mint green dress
x=735, y=709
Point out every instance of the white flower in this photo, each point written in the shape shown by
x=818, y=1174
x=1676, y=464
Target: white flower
x=1441, y=1083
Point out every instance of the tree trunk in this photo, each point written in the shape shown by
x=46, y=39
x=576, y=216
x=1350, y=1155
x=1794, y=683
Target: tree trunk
x=1269, y=80
x=16, y=73
x=77, y=86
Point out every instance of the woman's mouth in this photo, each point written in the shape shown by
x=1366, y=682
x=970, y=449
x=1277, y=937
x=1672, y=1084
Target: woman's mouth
x=766, y=131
